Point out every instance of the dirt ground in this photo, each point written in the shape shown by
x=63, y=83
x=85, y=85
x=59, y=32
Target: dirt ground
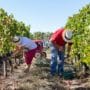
x=39, y=79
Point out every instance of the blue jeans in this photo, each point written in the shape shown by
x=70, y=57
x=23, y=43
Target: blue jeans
x=57, y=61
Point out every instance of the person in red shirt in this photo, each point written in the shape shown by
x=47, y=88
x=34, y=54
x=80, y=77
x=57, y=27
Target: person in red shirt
x=58, y=41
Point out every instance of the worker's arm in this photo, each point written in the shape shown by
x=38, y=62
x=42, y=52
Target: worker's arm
x=55, y=44
x=18, y=50
x=69, y=48
x=60, y=48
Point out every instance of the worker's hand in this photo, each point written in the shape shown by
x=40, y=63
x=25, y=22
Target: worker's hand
x=14, y=54
x=67, y=55
x=61, y=48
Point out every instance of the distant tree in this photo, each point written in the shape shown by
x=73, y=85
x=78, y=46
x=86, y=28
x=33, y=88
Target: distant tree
x=42, y=35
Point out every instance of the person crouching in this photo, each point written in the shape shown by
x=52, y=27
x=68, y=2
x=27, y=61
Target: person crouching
x=29, y=49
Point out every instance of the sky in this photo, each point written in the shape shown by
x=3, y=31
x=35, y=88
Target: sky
x=43, y=15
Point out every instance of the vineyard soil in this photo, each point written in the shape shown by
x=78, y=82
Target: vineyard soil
x=39, y=79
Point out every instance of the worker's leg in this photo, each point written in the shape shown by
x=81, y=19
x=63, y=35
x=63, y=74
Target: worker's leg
x=53, y=62
x=29, y=57
x=61, y=63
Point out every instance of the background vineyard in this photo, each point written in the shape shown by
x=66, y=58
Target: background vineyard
x=79, y=23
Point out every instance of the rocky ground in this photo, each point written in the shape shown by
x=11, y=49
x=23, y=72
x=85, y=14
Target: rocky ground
x=39, y=79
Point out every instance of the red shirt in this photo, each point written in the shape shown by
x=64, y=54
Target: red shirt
x=57, y=37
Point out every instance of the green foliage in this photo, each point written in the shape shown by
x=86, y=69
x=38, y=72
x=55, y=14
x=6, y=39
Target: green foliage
x=87, y=61
x=10, y=27
x=38, y=35
x=80, y=25
x=41, y=35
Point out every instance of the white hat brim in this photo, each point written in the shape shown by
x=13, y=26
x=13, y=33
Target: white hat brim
x=63, y=35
